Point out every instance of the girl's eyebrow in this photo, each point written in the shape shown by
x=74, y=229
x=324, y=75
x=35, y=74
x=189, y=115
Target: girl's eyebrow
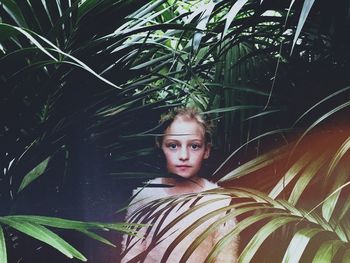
x=178, y=134
x=191, y=140
x=170, y=140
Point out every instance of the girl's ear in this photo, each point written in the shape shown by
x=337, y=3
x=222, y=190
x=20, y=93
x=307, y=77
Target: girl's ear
x=207, y=151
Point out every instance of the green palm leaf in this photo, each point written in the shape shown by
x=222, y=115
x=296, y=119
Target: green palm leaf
x=304, y=14
x=330, y=204
x=290, y=175
x=209, y=230
x=327, y=251
x=14, y=11
x=299, y=243
x=305, y=178
x=34, y=174
x=232, y=13
x=263, y=233
x=342, y=150
x=3, y=252
x=346, y=256
x=35, y=227
x=43, y=234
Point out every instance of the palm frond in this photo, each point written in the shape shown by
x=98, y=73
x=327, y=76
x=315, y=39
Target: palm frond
x=36, y=227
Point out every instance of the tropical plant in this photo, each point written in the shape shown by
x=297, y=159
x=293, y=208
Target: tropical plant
x=95, y=75
x=300, y=213
x=55, y=61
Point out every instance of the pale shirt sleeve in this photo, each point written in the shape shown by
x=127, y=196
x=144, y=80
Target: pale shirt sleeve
x=134, y=245
x=229, y=253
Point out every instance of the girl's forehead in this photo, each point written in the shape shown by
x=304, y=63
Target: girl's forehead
x=184, y=126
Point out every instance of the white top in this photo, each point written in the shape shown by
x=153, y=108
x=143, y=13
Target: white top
x=169, y=219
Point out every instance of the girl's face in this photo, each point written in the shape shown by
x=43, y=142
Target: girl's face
x=184, y=147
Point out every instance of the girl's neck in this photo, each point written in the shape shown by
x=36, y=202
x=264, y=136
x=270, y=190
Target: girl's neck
x=184, y=185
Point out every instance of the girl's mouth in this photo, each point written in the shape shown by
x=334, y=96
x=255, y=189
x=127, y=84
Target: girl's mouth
x=183, y=167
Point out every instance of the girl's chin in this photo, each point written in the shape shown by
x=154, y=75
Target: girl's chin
x=186, y=176
x=186, y=173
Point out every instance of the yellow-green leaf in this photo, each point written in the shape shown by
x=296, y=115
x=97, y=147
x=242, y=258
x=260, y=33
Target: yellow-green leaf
x=3, y=252
x=305, y=178
x=232, y=13
x=255, y=243
x=290, y=175
x=330, y=204
x=34, y=174
x=45, y=235
x=327, y=251
x=299, y=243
x=344, y=148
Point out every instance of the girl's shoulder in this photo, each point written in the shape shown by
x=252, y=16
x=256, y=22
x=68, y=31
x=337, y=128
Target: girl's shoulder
x=141, y=196
x=154, y=189
x=150, y=190
x=208, y=185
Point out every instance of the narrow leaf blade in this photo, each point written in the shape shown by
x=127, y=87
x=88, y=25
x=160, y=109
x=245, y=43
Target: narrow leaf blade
x=45, y=235
x=3, y=252
x=34, y=174
x=233, y=12
x=304, y=13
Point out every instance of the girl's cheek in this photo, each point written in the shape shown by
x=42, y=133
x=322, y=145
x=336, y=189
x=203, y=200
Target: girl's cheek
x=169, y=154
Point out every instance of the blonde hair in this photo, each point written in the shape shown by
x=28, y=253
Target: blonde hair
x=189, y=113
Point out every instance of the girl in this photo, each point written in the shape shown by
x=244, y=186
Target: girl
x=186, y=142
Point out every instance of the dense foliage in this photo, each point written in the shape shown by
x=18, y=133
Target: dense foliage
x=83, y=84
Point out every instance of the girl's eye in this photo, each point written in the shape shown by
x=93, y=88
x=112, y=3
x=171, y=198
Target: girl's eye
x=172, y=146
x=195, y=146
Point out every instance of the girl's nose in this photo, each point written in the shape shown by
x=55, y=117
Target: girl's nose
x=183, y=154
